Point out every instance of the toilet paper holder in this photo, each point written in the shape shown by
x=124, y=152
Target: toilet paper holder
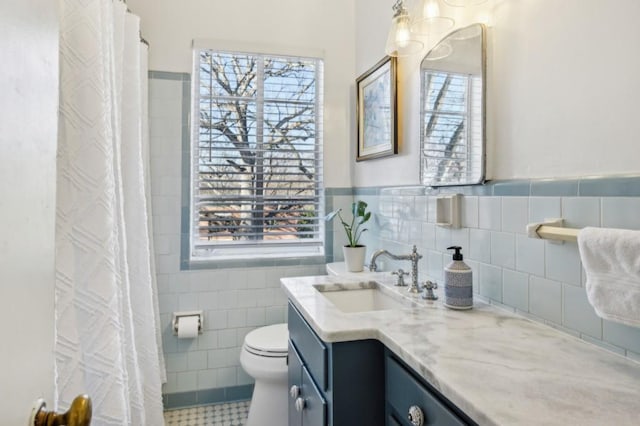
x=178, y=315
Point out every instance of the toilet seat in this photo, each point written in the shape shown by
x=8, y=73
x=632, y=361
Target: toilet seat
x=270, y=341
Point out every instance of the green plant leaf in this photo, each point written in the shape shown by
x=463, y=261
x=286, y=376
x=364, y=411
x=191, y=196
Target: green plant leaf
x=360, y=209
x=359, y=216
x=331, y=215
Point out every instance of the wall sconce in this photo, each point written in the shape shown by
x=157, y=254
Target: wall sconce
x=427, y=19
x=401, y=41
x=463, y=3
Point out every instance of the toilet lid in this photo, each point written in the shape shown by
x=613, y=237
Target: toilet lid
x=271, y=339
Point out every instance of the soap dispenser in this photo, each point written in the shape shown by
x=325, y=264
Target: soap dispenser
x=458, y=282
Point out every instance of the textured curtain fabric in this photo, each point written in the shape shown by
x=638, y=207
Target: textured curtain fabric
x=106, y=312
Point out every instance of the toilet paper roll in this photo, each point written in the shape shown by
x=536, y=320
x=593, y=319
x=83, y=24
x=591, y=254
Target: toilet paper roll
x=188, y=327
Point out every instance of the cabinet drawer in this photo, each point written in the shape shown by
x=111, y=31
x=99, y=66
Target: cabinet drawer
x=403, y=391
x=311, y=349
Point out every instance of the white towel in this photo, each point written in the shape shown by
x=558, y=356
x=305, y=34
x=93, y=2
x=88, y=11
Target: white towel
x=611, y=258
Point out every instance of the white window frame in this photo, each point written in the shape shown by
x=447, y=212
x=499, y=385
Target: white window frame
x=261, y=250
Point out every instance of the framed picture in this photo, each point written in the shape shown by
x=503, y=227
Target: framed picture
x=376, y=111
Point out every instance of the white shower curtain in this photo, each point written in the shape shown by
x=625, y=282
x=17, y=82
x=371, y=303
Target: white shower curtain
x=107, y=334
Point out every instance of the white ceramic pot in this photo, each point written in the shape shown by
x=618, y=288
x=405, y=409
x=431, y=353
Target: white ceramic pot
x=354, y=257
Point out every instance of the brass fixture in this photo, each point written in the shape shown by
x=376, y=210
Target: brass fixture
x=79, y=414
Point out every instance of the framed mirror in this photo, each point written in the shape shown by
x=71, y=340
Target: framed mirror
x=452, y=111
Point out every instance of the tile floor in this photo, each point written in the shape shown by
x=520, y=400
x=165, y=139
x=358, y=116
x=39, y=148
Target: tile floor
x=228, y=414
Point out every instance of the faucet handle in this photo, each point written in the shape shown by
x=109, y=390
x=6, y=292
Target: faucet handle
x=401, y=274
x=429, y=286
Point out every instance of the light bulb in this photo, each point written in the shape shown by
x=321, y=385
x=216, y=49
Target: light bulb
x=401, y=41
x=427, y=19
x=464, y=3
x=403, y=33
x=431, y=9
x=484, y=17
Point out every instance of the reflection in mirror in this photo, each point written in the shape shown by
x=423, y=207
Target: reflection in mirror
x=452, y=111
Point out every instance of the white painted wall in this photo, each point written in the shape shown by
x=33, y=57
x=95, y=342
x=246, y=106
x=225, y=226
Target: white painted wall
x=28, y=132
x=327, y=25
x=235, y=301
x=562, y=86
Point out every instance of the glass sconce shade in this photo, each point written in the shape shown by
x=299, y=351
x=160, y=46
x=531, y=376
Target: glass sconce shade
x=427, y=19
x=463, y=3
x=441, y=51
x=401, y=41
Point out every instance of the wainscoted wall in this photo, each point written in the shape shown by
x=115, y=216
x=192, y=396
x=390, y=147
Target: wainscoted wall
x=234, y=300
x=539, y=279
x=536, y=278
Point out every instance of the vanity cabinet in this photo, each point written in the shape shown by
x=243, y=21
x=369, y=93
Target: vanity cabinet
x=357, y=383
x=333, y=384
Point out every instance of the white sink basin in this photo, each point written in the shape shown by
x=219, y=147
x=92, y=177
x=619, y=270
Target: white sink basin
x=362, y=297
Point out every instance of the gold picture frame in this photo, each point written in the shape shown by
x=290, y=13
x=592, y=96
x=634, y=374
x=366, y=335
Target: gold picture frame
x=376, y=111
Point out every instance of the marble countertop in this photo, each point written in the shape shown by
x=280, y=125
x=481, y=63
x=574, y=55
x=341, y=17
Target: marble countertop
x=497, y=367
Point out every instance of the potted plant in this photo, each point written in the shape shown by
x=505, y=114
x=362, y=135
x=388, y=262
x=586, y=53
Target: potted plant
x=353, y=252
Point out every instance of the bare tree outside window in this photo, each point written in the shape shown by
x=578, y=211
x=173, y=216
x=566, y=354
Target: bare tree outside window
x=257, y=157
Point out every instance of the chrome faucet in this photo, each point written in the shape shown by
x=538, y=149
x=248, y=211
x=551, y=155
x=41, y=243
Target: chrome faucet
x=414, y=257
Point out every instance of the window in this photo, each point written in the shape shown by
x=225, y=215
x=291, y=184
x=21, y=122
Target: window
x=256, y=179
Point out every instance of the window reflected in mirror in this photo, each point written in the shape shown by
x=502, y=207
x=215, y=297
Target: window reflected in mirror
x=453, y=109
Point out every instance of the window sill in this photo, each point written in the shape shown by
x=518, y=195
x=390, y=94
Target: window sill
x=228, y=262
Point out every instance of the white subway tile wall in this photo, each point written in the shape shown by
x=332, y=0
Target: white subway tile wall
x=539, y=279
x=542, y=208
x=490, y=213
x=515, y=214
x=620, y=212
x=515, y=291
x=579, y=212
x=234, y=301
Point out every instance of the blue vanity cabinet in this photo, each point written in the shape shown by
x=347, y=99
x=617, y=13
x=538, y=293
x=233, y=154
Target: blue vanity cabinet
x=408, y=397
x=357, y=383
x=336, y=383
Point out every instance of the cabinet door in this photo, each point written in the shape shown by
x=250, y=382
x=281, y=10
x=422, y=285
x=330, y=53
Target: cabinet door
x=314, y=411
x=295, y=379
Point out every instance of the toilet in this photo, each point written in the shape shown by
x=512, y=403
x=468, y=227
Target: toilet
x=264, y=357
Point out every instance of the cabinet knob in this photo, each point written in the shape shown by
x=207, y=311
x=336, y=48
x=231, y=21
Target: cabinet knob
x=294, y=392
x=415, y=416
x=300, y=404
